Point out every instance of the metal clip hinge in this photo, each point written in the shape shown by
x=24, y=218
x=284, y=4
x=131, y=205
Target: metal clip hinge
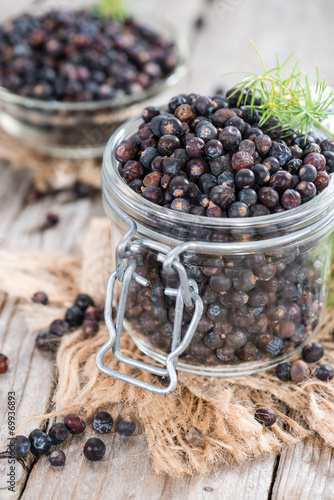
x=115, y=330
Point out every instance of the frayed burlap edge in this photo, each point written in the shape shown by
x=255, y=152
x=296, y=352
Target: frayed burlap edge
x=223, y=409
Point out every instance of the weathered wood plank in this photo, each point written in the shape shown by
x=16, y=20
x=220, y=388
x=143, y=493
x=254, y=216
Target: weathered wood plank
x=24, y=379
x=31, y=374
x=250, y=481
x=126, y=473
x=20, y=224
x=305, y=471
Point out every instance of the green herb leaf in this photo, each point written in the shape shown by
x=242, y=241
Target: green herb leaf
x=288, y=99
x=330, y=301
x=115, y=9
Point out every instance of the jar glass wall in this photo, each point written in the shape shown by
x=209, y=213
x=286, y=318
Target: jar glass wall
x=263, y=281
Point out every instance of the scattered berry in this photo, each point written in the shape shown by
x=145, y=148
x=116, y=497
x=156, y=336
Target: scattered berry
x=265, y=416
x=102, y=422
x=40, y=298
x=83, y=301
x=82, y=190
x=283, y=371
x=90, y=327
x=58, y=433
x=312, y=352
x=194, y=437
x=51, y=220
x=94, y=449
x=57, y=458
x=199, y=22
x=74, y=316
x=22, y=446
x=99, y=313
x=90, y=314
x=75, y=424
x=126, y=427
x=4, y=363
x=40, y=442
x=164, y=381
x=47, y=341
x=59, y=327
x=299, y=371
x=324, y=373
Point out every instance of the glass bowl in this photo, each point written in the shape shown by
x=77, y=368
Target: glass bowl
x=81, y=130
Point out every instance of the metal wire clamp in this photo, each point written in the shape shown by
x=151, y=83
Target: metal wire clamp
x=185, y=294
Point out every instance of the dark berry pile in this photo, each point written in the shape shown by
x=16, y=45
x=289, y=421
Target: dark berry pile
x=78, y=56
x=254, y=308
x=83, y=313
x=207, y=157
x=40, y=443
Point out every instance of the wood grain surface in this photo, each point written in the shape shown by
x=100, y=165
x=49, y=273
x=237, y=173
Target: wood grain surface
x=305, y=471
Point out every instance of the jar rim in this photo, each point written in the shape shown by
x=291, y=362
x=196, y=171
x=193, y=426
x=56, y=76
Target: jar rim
x=137, y=206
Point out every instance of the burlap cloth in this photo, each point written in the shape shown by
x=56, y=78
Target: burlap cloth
x=49, y=174
x=223, y=409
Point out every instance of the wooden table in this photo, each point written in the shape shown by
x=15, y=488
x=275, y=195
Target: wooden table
x=304, y=471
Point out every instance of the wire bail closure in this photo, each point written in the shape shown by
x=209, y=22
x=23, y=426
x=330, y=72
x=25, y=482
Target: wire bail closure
x=185, y=294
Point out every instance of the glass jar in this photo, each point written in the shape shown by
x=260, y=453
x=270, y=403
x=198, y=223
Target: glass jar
x=81, y=130
x=258, y=285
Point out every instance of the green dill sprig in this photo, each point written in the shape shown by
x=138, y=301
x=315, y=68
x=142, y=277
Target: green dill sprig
x=115, y=9
x=288, y=99
x=330, y=300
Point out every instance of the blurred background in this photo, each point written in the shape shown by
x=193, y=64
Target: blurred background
x=218, y=32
